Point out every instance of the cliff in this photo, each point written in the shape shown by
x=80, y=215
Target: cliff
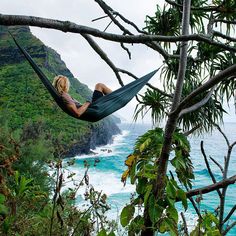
x=26, y=105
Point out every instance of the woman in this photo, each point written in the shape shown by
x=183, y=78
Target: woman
x=62, y=85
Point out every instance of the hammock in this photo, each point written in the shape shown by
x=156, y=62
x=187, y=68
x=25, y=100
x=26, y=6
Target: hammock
x=103, y=106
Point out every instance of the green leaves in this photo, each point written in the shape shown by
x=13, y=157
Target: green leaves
x=126, y=215
x=154, y=101
x=3, y=208
x=22, y=184
x=154, y=210
x=181, y=161
x=103, y=232
x=208, y=225
x=182, y=196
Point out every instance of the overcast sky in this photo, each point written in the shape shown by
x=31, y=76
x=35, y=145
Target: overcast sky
x=79, y=57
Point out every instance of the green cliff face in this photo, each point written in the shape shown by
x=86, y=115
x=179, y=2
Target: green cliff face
x=26, y=105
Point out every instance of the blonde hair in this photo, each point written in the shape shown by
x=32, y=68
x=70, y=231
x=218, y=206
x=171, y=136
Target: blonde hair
x=61, y=83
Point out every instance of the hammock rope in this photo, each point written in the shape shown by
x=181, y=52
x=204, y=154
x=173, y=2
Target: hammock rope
x=103, y=106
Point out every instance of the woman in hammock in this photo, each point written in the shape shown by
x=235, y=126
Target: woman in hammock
x=62, y=85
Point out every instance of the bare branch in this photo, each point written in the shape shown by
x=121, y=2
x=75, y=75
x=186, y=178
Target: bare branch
x=233, y=144
x=103, y=55
x=207, y=189
x=222, y=75
x=185, y=224
x=67, y=26
x=220, y=130
x=217, y=163
x=195, y=207
x=126, y=49
x=110, y=12
x=148, y=84
x=209, y=168
x=192, y=130
x=230, y=214
x=197, y=105
x=229, y=228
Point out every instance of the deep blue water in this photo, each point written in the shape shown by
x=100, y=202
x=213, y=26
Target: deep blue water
x=106, y=175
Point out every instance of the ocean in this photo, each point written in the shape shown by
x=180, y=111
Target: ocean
x=106, y=175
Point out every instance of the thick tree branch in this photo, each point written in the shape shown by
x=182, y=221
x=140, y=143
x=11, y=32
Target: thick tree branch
x=212, y=187
x=197, y=105
x=230, y=71
x=67, y=26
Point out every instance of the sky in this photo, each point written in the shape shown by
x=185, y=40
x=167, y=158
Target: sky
x=79, y=57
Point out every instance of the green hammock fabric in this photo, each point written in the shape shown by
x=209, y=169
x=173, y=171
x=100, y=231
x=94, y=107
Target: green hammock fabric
x=103, y=106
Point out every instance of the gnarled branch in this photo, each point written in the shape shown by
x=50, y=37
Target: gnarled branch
x=228, y=72
x=207, y=189
x=67, y=26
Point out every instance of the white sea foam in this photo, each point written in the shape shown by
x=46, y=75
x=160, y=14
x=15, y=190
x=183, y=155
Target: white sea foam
x=106, y=181
x=107, y=150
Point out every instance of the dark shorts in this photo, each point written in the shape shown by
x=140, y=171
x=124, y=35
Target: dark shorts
x=96, y=94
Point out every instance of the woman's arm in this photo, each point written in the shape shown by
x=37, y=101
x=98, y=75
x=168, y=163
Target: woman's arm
x=78, y=111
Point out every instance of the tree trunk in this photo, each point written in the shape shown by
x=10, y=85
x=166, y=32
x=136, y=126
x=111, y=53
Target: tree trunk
x=172, y=120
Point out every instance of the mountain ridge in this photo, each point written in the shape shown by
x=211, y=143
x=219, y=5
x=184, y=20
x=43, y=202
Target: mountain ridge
x=25, y=103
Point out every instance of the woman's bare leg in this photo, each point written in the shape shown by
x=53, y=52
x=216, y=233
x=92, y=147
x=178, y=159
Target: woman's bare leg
x=103, y=88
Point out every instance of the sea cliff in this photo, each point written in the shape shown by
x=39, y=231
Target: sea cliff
x=25, y=104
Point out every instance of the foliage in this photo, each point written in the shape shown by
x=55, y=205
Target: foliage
x=25, y=103
x=207, y=225
x=204, y=61
x=28, y=203
x=142, y=168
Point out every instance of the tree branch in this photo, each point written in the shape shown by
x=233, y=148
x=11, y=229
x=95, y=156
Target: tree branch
x=209, y=168
x=110, y=12
x=229, y=228
x=209, y=84
x=230, y=214
x=185, y=224
x=197, y=105
x=218, y=164
x=187, y=133
x=67, y=26
x=212, y=187
x=103, y=55
x=223, y=134
x=148, y=84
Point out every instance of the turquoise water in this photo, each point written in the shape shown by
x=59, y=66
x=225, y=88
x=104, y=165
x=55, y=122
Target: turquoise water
x=106, y=175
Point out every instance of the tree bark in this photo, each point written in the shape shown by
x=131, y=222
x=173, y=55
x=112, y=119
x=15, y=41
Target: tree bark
x=172, y=120
x=67, y=26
